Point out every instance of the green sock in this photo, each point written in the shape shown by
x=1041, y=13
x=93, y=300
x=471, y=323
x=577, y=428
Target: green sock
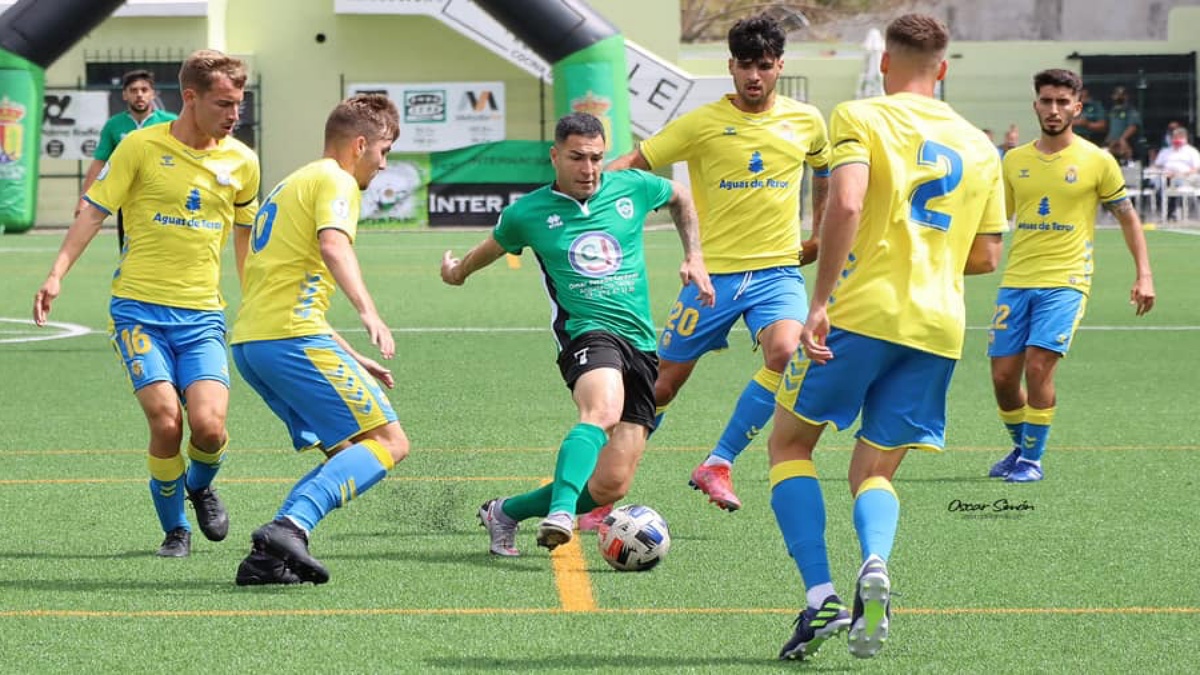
x=536, y=503
x=576, y=460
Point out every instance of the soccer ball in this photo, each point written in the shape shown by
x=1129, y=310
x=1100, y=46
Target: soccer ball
x=634, y=538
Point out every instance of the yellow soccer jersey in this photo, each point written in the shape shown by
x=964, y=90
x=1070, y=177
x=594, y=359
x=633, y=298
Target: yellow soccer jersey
x=286, y=287
x=745, y=170
x=178, y=206
x=934, y=185
x=1054, y=199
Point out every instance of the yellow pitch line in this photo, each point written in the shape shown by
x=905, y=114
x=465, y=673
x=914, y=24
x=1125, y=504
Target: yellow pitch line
x=652, y=449
x=547, y=611
x=271, y=481
x=571, y=577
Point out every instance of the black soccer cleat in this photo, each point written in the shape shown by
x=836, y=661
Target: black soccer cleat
x=261, y=568
x=285, y=540
x=178, y=544
x=211, y=516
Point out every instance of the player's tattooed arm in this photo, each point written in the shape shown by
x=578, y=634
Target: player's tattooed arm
x=820, y=197
x=1118, y=208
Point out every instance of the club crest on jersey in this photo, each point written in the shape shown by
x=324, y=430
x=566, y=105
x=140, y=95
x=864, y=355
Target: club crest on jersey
x=625, y=207
x=340, y=207
x=595, y=254
x=1072, y=174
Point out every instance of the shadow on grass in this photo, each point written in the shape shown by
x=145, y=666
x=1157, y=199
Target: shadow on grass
x=158, y=586
x=614, y=664
x=147, y=554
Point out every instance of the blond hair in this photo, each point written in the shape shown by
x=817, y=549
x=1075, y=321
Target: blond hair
x=202, y=67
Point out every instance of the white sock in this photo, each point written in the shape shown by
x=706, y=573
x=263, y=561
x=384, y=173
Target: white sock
x=713, y=460
x=817, y=594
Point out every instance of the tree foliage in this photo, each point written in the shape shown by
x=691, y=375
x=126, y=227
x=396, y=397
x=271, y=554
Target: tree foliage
x=702, y=20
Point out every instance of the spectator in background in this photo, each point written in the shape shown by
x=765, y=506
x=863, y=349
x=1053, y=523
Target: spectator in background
x=1166, y=140
x=137, y=90
x=991, y=136
x=1012, y=138
x=1124, y=125
x=1179, y=162
x=1092, y=122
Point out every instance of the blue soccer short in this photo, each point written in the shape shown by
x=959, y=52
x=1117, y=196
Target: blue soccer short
x=315, y=387
x=760, y=298
x=157, y=343
x=900, y=391
x=1035, y=317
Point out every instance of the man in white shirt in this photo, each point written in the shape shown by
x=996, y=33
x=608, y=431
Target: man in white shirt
x=1180, y=164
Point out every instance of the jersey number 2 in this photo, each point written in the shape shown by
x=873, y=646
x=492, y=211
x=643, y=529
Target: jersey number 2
x=931, y=154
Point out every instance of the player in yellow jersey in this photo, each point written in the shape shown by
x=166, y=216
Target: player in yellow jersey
x=916, y=201
x=181, y=187
x=1053, y=188
x=746, y=155
x=301, y=251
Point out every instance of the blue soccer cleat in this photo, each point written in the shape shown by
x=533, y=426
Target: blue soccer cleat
x=1005, y=466
x=814, y=626
x=1026, y=472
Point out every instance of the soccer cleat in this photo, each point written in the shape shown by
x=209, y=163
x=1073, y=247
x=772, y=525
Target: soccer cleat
x=814, y=626
x=501, y=529
x=285, y=540
x=261, y=568
x=715, y=482
x=591, y=520
x=872, y=609
x=1025, y=472
x=178, y=544
x=555, y=530
x=1005, y=466
x=211, y=516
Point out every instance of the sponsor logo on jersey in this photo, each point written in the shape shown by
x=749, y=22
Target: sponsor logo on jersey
x=595, y=254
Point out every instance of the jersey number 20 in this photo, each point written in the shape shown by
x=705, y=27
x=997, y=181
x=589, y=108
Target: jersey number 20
x=931, y=154
x=263, y=221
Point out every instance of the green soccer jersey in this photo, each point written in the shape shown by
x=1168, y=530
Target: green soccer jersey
x=118, y=127
x=591, y=254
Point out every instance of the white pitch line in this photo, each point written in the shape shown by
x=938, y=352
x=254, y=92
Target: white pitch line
x=66, y=330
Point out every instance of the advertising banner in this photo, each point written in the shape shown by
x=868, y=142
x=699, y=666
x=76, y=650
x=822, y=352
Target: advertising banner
x=21, y=84
x=456, y=188
x=437, y=116
x=71, y=122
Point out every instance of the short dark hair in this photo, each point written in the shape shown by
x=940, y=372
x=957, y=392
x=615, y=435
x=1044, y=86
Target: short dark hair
x=755, y=37
x=1058, y=77
x=918, y=33
x=578, y=124
x=372, y=116
x=135, y=75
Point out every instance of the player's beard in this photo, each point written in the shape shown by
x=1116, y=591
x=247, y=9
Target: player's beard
x=1067, y=121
